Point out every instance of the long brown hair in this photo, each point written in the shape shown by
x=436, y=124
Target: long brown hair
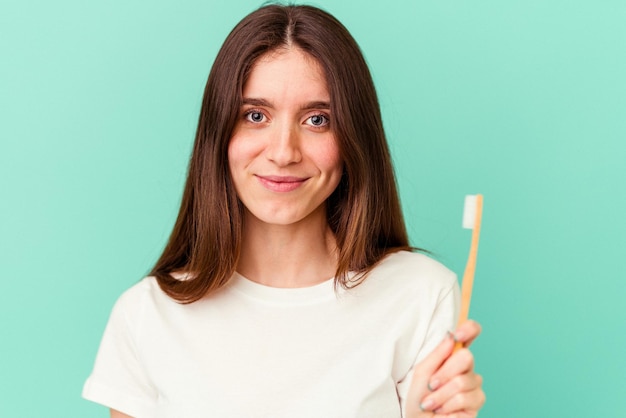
x=363, y=212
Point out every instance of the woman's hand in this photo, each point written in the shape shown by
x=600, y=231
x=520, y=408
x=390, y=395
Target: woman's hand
x=444, y=384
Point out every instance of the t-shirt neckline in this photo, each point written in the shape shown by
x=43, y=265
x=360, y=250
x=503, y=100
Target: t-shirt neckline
x=283, y=295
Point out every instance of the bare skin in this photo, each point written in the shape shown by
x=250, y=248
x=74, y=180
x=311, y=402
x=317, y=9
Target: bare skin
x=292, y=246
x=284, y=162
x=445, y=384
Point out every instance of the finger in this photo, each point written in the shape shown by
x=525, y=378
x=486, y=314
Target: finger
x=468, y=402
x=459, y=363
x=459, y=384
x=462, y=414
x=467, y=332
x=433, y=361
x=423, y=371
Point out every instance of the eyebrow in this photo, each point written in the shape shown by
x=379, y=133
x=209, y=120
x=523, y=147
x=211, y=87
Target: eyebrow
x=317, y=104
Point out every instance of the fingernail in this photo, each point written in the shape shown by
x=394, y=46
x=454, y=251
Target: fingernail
x=456, y=336
x=427, y=405
x=433, y=384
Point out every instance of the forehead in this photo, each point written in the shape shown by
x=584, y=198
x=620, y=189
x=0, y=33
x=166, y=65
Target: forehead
x=287, y=69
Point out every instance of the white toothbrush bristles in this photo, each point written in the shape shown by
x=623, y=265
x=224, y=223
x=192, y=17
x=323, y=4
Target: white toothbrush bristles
x=469, y=212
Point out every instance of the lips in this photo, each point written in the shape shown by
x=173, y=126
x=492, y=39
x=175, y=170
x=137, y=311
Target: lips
x=281, y=183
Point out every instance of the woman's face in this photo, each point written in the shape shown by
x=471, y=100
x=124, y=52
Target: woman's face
x=283, y=156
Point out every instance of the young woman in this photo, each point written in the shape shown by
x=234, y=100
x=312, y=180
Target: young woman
x=288, y=287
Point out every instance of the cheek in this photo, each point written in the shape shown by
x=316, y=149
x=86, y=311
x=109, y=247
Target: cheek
x=240, y=153
x=233, y=152
x=329, y=158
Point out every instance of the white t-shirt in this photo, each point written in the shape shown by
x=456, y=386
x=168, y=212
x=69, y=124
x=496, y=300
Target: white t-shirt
x=253, y=351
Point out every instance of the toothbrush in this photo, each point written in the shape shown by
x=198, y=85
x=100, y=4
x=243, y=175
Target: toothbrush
x=472, y=215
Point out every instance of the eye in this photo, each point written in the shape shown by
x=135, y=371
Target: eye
x=254, y=116
x=318, y=121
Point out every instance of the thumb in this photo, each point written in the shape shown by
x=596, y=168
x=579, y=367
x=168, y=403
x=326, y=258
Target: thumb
x=422, y=372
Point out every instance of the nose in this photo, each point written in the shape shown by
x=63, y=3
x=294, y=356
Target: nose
x=284, y=145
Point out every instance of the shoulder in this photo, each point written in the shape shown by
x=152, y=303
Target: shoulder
x=409, y=277
x=414, y=267
x=413, y=276
x=145, y=288
x=145, y=294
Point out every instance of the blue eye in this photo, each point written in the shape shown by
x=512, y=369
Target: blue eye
x=318, y=120
x=254, y=116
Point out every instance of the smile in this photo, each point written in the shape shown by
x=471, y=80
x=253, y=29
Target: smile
x=281, y=183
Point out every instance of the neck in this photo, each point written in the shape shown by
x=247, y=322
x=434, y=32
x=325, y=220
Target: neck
x=296, y=255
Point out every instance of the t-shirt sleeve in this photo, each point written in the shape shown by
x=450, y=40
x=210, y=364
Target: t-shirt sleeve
x=118, y=379
x=443, y=319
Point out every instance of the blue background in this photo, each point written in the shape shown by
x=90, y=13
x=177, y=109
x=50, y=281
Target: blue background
x=523, y=101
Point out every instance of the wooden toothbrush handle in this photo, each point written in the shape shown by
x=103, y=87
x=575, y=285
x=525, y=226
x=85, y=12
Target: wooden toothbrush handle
x=470, y=268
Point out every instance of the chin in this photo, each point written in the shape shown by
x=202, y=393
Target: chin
x=279, y=220
x=286, y=218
